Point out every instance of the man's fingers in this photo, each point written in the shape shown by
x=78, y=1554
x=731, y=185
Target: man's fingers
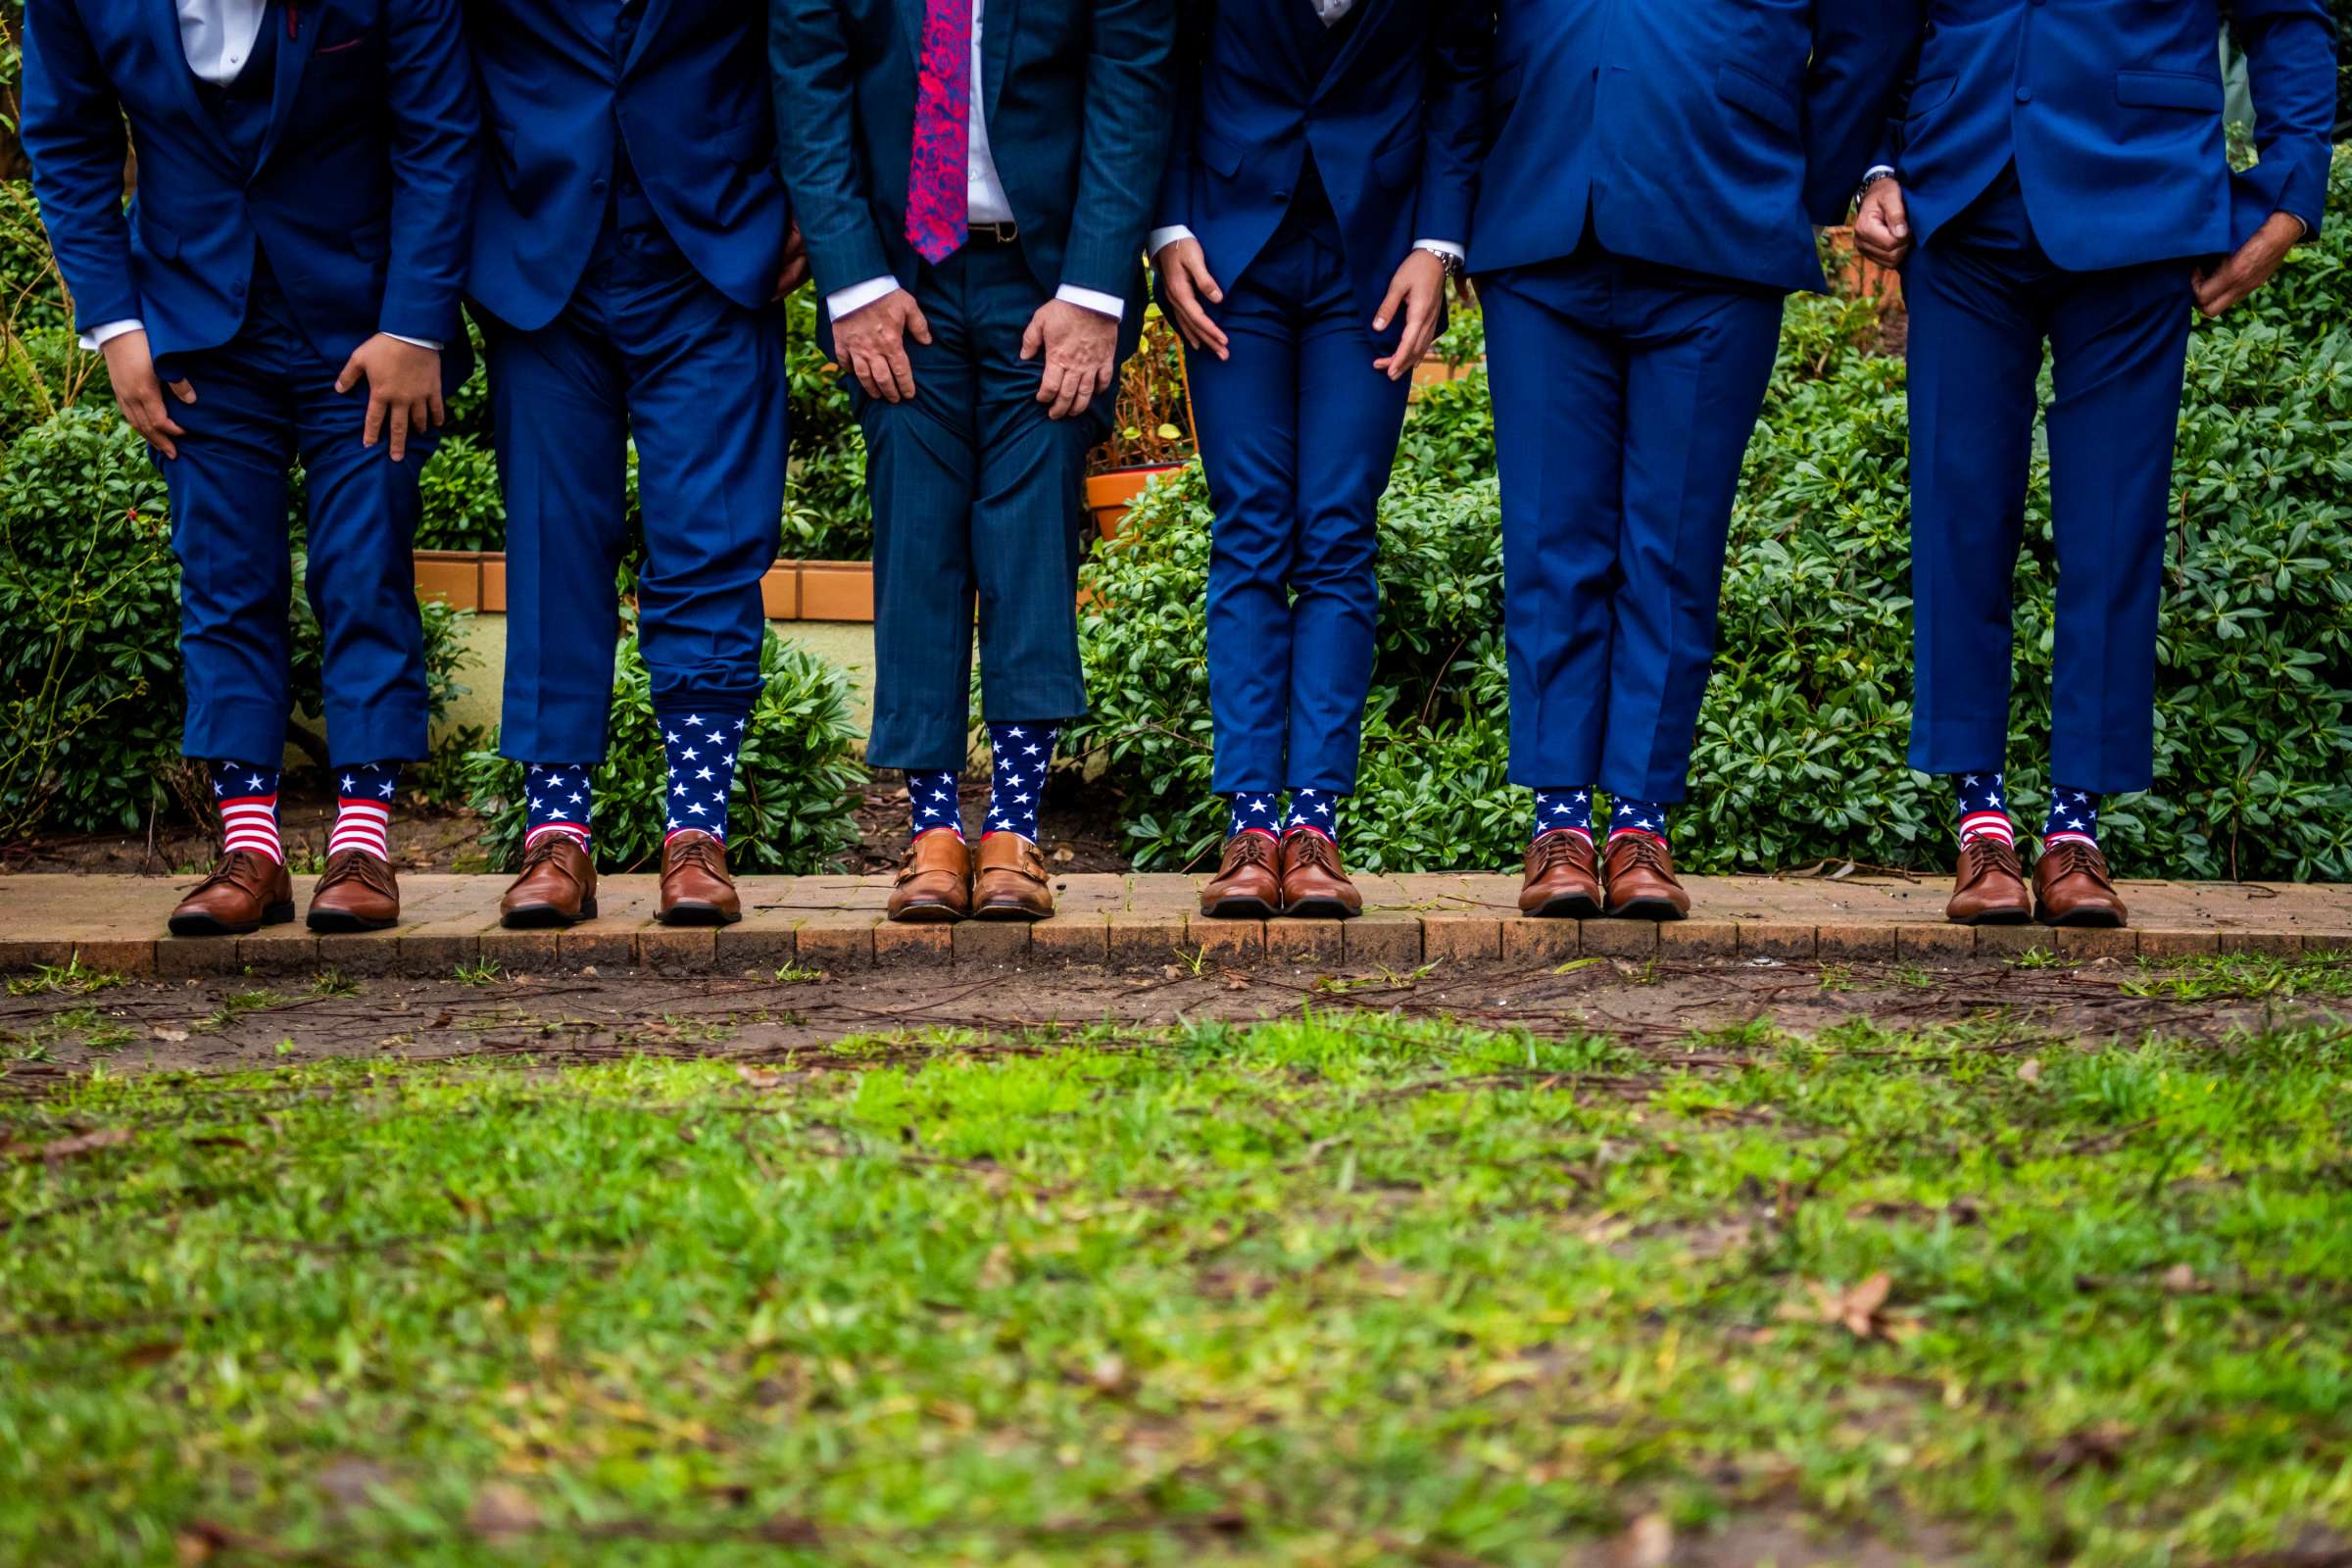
x=1033, y=339
x=917, y=327
x=440, y=410
x=902, y=371
x=374, y=429
x=397, y=417
x=185, y=391
x=1397, y=292
x=1102, y=376
x=1199, y=268
x=862, y=366
x=1049, y=383
x=351, y=372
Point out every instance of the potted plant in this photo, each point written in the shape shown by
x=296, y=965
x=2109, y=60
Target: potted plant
x=1151, y=427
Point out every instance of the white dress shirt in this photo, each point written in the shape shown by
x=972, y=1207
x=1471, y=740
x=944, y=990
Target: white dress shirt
x=217, y=37
x=985, y=203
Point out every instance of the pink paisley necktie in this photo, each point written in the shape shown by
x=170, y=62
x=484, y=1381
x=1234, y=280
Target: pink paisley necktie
x=938, y=197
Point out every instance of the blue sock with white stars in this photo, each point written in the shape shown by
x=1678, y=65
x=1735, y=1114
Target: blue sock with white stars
x=701, y=746
x=557, y=798
x=1984, y=803
x=1016, y=784
x=1315, y=811
x=933, y=804
x=1629, y=815
x=1556, y=809
x=246, y=794
x=1254, y=812
x=2074, y=817
x=364, y=795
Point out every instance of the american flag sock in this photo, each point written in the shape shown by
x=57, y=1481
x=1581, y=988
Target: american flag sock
x=1629, y=815
x=561, y=800
x=701, y=746
x=364, y=809
x=1984, y=803
x=246, y=794
x=1254, y=811
x=2074, y=817
x=933, y=804
x=1558, y=811
x=1016, y=785
x=1315, y=812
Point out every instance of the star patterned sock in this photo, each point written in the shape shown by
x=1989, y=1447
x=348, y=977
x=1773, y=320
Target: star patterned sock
x=558, y=799
x=2074, y=817
x=1629, y=815
x=1254, y=812
x=364, y=809
x=1315, y=811
x=246, y=794
x=1016, y=785
x=701, y=747
x=1983, y=803
x=933, y=804
x=1556, y=809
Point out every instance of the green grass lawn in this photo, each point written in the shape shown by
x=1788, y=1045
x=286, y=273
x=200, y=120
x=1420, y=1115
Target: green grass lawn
x=1341, y=1291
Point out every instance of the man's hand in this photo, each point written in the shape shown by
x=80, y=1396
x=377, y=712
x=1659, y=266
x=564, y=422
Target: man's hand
x=2251, y=268
x=1080, y=345
x=404, y=389
x=872, y=341
x=1419, y=290
x=1183, y=272
x=796, y=265
x=139, y=392
x=1883, y=226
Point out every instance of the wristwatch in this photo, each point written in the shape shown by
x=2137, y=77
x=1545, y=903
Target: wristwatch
x=1446, y=259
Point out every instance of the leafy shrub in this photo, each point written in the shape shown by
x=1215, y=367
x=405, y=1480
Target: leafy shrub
x=794, y=778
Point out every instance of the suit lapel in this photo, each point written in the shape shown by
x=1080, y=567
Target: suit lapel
x=306, y=18
x=1367, y=14
x=996, y=50
x=656, y=12
x=910, y=22
x=162, y=30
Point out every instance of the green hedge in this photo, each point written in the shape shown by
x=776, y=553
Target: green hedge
x=793, y=778
x=1801, y=739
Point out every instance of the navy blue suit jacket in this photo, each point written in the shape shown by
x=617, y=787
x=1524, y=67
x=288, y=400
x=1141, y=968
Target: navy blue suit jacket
x=360, y=202
x=2112, y=110
x=1077, y=94
x=688, y=96
x=1396, y=125
x=1706, y=134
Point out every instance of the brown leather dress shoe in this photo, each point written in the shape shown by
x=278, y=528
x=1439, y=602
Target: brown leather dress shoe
x=557, y=887
x=357, y=893
x=1563, y=878
x=246, y=890
x=2071, y=886
x=1990, y=885
x=1639, y=873
x=1009, y=880
x=1247, y=885
x=935, y=879
x=696, y=888
x=1314, y=885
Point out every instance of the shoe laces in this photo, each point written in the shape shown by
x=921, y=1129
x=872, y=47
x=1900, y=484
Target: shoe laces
x=1642, y=851
x=1307, y=847
x=357, y=865
x=1985, y=854
x=2075, y=859
x=701, y=851
x=238, y=868
x=1249, y=849
x=1562, y=846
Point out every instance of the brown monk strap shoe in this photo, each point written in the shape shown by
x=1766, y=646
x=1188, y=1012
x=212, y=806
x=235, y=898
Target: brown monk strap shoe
x=1990, y=885
x=696, y=888
x=1639, y=869
x=357, y=893
x=557, y=887
x=246, y=890
x=935, y=879
x=2071, y=886
x=1010, y=881
x=1563, y=878
x=1247, y=885
x=1314, y=885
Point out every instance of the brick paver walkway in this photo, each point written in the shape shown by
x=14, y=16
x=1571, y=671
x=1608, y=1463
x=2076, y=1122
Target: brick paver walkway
x=835, y=923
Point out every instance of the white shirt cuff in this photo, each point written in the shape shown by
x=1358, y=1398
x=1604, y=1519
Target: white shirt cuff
x=417, y=342
x=857, y=296
x=1162, y=238
x=1875, y=171
x=99, y=336
x=1443, y=247
x=1087, y=299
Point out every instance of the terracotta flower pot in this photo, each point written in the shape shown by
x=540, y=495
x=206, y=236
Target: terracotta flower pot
x=1109, y=495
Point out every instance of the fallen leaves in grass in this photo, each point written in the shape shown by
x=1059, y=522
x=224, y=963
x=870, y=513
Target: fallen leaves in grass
x=58, y=1148
x=1859, y=1310
x=501, y=1509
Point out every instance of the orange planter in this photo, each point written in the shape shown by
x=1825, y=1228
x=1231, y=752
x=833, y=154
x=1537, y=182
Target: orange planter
x=1109, y=495
x=791, y=590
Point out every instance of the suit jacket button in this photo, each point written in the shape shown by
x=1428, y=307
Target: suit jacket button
x=2025, y=95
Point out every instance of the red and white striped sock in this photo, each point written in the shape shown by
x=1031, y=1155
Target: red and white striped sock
x=364, y=809
x=577, y=832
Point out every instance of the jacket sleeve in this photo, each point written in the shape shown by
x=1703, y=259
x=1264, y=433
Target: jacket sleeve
x=1461, y=51
x=1195, y=27
x=1129, y=99
x=436, y=155
x=1862, y=59
x=824, y=174
x=2290, y=61
x=71, y=127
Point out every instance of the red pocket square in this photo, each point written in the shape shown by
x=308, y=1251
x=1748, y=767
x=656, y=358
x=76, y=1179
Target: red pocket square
x=338, y=48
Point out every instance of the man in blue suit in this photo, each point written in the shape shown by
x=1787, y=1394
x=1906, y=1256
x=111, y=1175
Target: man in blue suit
x=2058, y=172
x=1317, y=198
x=305, y=183
x=974, y=179
x=1647, y=203
x=628, y=260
